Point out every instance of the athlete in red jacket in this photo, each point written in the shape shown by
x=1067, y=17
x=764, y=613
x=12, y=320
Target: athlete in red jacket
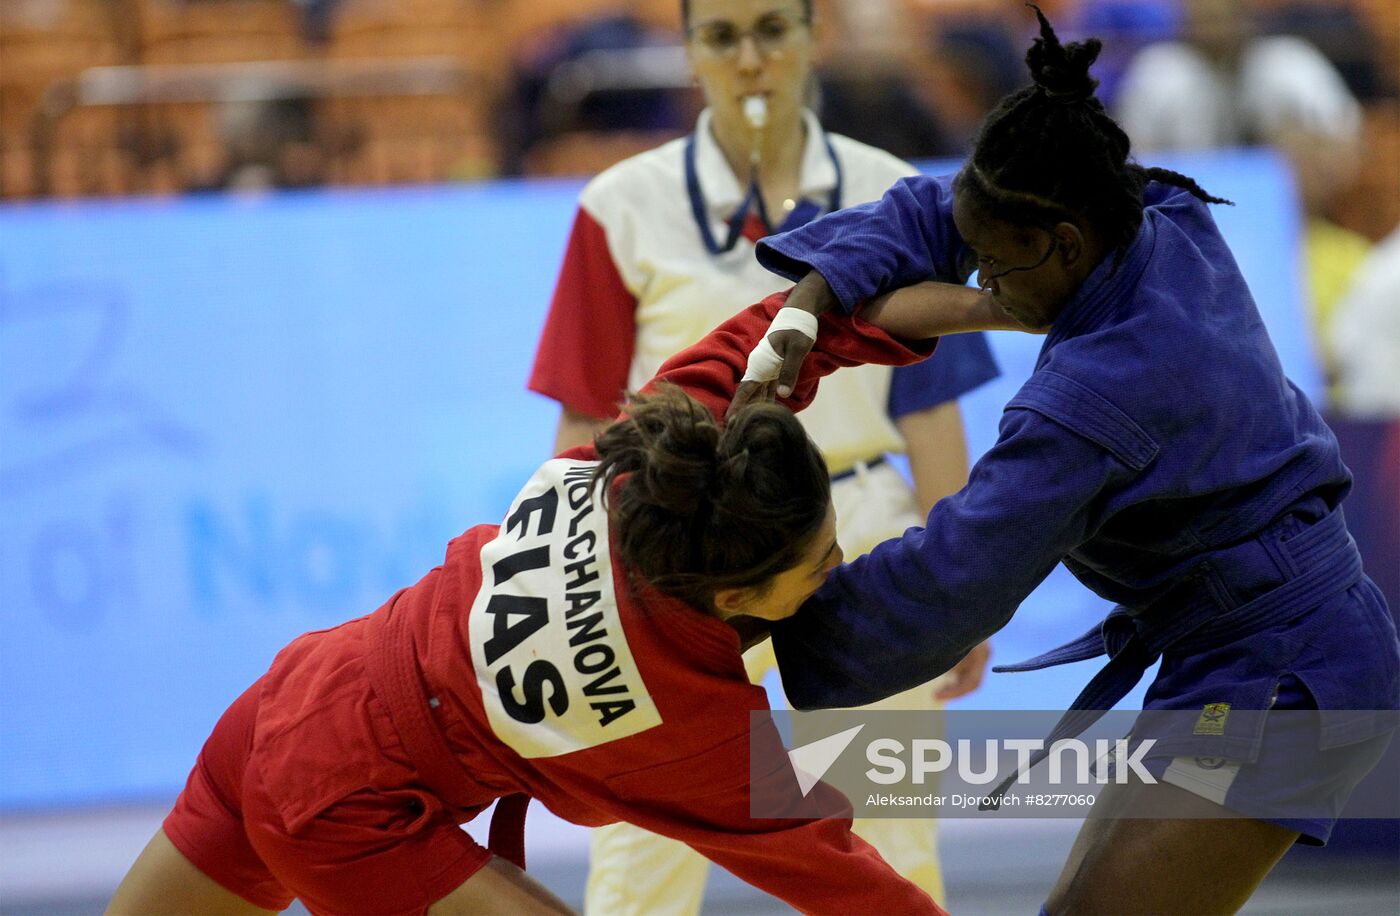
x=581, y=653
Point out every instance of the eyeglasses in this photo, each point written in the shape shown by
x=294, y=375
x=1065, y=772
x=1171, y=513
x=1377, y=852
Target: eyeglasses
x=772, y=35
x=986, y=266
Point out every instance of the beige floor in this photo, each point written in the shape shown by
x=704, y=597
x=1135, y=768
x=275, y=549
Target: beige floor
x=65, y=863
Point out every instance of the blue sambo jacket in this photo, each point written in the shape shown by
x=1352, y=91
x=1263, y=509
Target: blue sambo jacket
x=1157, y=450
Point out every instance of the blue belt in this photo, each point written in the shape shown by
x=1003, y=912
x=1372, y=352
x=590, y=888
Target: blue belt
x=1326, y=562
x=857, y=467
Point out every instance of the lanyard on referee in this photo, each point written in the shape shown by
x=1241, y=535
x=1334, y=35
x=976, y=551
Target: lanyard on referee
x=752, y=199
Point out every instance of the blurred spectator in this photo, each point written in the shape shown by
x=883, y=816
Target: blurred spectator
x=1125, y=27
x=866, y=91
x=916, y=78
x=1332, y=255
x=317, y=17
x=1366, y=336
x=271, y=144
x=1224, y=85
x=539, y=106
x=980, y=61
x=1344, y=36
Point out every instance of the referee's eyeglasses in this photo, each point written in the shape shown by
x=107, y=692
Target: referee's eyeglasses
x=772, y=34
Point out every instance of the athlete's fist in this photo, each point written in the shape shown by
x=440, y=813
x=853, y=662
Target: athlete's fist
x=774, y=364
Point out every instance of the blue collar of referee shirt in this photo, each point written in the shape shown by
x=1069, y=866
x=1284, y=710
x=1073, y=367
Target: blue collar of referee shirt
x=715, y=191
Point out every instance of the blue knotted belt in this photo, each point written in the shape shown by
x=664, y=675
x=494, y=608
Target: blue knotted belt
x=1326, y=562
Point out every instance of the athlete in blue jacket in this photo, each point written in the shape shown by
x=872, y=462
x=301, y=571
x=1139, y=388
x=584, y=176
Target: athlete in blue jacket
x=1157, y=451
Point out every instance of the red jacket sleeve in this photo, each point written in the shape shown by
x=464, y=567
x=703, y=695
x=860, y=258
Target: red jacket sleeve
x=710, y=370
x=810, y=859
x=586, y=346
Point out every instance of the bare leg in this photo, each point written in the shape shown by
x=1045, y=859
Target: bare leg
x=162, y=881
x=1142, y=852
x=500, y=887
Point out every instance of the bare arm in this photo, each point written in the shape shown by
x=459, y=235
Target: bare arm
x=812, y=294
x=917, y=312
x=576, y=429
x=932, y=309
x=937, y=449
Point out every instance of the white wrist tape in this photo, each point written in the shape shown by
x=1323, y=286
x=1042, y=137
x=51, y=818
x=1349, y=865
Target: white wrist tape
x=764, y=361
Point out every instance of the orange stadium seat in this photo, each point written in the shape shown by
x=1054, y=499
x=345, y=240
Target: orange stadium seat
x=218, y=31
x=406, y=139
x=414, y=138
x=586, y=153
x=518, y=21
x=41, y=45
x=16, y=169
x=90, y=156
x=187, y=148
x=413, y=28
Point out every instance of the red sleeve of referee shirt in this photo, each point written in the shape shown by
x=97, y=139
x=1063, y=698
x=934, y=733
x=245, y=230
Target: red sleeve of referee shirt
x=586, y=347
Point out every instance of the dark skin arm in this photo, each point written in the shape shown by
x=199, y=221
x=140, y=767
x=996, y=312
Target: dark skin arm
x=918, y=312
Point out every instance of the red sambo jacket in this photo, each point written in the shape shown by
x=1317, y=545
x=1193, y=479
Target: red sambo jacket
x=530, y=662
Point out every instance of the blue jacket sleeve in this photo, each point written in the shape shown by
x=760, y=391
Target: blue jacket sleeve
x=913, y=607
x=906, y=237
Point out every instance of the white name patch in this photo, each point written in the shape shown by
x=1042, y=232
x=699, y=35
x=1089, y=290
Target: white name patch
x=553, y=664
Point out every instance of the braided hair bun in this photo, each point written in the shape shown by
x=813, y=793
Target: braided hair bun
x=1062, y=71
x=697, y=507
x=1050, y=152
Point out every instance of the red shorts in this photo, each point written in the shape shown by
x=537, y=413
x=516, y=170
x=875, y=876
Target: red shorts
x=370, y=851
